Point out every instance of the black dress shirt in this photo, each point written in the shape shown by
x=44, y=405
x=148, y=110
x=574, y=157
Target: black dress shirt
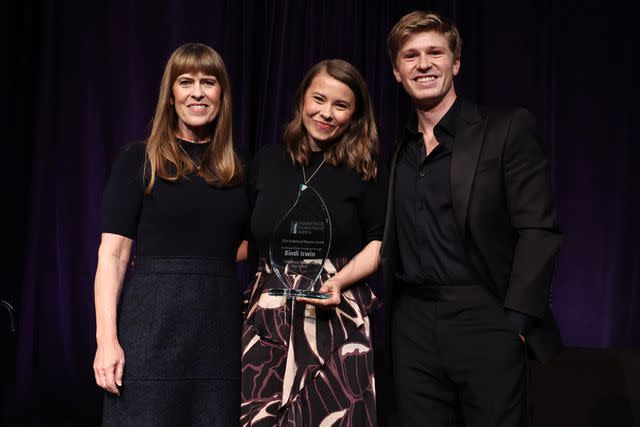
x=431, y=248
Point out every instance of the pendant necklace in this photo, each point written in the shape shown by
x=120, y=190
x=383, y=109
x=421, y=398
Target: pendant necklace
x=196, y=164
x=304, y=176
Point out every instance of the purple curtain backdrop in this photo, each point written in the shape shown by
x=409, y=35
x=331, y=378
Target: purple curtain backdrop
x=85, y=81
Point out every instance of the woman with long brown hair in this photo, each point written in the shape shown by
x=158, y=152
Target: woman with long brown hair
x=310, y=361
x=180, y=196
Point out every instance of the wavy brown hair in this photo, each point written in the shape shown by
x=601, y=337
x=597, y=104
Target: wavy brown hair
x=220, y=166
x=358, y=147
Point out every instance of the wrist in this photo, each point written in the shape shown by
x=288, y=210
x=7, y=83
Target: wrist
x=337, y=283
x=106, y=338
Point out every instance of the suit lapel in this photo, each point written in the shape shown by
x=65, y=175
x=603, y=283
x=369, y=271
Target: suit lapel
x=464, y=160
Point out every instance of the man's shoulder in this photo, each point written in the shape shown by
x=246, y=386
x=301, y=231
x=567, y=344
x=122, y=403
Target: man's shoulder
x=501, y=112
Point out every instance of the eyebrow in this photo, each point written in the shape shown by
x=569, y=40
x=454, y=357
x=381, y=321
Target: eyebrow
x=324, y=96
x=419, y=48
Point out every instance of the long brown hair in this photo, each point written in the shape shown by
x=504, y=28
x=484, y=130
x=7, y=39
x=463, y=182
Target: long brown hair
x=220, y=166
x=359, y=145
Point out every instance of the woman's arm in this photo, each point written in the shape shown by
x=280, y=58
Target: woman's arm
x=361, y=266
x=113, y=258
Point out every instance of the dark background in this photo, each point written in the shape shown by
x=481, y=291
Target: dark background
x=81, y=80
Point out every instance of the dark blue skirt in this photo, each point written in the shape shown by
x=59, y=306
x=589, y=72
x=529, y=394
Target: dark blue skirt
x=179, y=326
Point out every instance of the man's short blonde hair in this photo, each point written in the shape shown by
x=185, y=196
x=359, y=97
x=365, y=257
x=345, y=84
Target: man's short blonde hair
x=417, y=22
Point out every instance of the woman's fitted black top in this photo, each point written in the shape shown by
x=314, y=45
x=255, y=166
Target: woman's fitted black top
x=183, y=218
x=356, y=207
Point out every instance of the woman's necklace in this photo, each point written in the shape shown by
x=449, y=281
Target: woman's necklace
x=304, y=176
x=196, y=164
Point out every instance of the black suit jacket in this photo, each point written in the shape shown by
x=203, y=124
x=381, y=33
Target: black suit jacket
x=501, y=196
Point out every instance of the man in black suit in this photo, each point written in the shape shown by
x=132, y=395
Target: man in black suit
x=469, y=245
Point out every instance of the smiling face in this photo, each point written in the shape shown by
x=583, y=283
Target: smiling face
x=426, y=66
x=327, y=108
x=196, y=99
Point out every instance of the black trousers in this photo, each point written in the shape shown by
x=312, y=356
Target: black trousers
x=456, y=359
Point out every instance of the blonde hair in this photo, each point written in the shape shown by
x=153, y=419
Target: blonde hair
x=359, y=145
x=417, y=22
x=220, y=166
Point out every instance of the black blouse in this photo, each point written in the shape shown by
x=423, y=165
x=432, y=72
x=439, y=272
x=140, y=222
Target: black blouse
x=183, y=218
x=356, y=207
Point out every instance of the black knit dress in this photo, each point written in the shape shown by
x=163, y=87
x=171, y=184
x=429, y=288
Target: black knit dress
x=179, y=312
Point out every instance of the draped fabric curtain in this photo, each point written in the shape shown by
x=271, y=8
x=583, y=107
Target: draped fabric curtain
x=85, y=82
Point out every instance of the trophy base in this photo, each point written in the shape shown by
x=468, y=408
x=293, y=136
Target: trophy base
x=293, y=293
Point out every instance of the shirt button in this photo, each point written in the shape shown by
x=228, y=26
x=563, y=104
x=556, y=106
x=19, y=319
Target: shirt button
x=421, y=173
x=419, y=206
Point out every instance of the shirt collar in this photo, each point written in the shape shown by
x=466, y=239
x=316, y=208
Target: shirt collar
x=448, y=123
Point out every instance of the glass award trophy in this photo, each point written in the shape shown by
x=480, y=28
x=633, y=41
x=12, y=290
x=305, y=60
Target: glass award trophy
x=300, y=245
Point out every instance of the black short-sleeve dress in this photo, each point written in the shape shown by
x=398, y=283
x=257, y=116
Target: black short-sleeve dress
x=302, y=366
x=178, y=314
